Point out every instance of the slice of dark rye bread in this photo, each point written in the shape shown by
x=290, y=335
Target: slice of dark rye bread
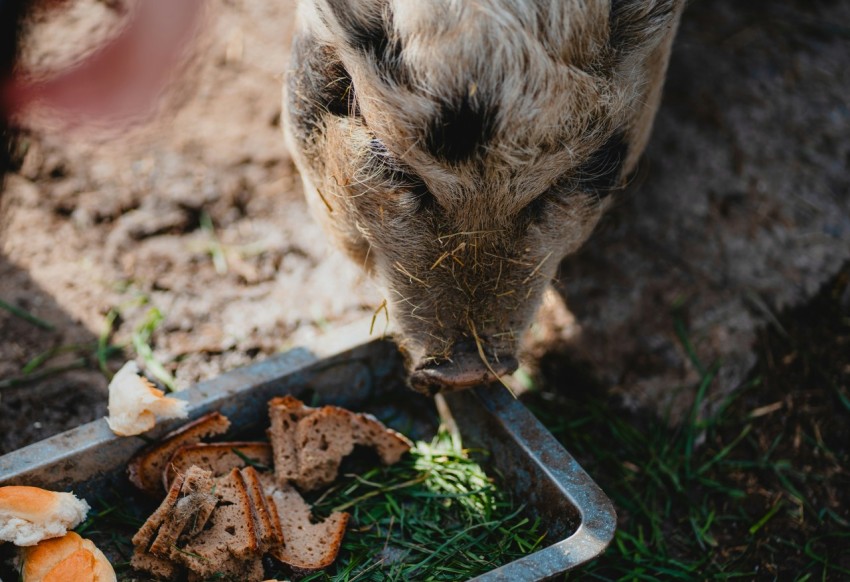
x=310, y=443
x=144, y=561
x=190, y=514
x=221, y=527
x=307, y=546
x=293, y=536
x=146, y=467
x=268, y=532
x=231, y=534
x=206, y=526
x=220, y=458
x=186, y=509
x=284, y=413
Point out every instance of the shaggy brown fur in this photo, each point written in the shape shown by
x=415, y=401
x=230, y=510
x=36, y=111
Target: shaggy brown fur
x=458, y=150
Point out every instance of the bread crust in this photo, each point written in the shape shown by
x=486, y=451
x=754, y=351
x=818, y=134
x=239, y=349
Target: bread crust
x=307, y=546
x=268, y=535
x=219, y=458
x=146, y=467
x=67, y=558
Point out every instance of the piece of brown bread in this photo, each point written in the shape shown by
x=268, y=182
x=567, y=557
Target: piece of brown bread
x=219, y=458
x=234, y=571
x=230, y=536
x=146, y=533
x=284, y=414
x=189, y=515
x=322, y=440
x=309, y=443
x=156, y=567
x=329, y=434
x=267, y=533
x=390, y=445
x=144, y=561
x=307, y=545
x=146, y=466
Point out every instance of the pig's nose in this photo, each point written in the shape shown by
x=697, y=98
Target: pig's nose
x=464, y=370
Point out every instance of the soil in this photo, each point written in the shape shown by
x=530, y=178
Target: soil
x=741, y=209
x=93, y=224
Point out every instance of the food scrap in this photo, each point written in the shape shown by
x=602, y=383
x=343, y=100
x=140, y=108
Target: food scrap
x=228, y=504
x=135, y=404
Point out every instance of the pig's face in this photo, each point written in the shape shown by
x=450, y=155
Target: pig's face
x=460, y=150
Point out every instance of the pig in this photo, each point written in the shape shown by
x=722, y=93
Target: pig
x=459, y=150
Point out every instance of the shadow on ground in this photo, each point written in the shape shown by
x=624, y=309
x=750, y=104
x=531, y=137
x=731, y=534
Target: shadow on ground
x=741, y=207
x=61, y=392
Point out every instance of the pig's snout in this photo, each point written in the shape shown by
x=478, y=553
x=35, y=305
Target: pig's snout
x=463, y=370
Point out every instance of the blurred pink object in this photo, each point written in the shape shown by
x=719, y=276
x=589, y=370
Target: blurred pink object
x=120, y=80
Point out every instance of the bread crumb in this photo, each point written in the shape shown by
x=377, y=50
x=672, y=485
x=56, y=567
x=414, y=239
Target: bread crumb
x=135, y=404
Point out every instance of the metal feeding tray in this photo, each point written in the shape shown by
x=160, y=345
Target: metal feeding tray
x=578, y=518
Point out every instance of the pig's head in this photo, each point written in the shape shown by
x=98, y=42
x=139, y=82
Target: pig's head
x=459, y=150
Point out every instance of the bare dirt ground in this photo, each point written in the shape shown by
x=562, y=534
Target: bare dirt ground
x=741, y=210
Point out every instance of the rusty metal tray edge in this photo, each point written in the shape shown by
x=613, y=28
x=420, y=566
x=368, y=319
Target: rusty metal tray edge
x=502, y=423
x=597, y=517
x=92, y=449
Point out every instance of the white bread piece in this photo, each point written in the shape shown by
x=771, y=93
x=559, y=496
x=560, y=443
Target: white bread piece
x=135, y=404
x=307, y=546
x=30, y=514
x=146, y=467
x=67, y=558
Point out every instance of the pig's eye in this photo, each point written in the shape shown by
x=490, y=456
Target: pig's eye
x=383, y=158
x=415, y=187
x=424, y=198
x=337, y=94
x=558, y=194
x=399, y=177
x=600, y=174
x=536, y=209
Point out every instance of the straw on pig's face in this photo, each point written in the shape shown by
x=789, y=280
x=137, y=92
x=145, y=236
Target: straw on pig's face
x=460, y=150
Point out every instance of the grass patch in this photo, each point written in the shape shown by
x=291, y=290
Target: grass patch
x=26, y=316
x=141, y=339
x=757, y=489
x=71, y=357
x=433, y=516
x=215, y=248
x=63, y=358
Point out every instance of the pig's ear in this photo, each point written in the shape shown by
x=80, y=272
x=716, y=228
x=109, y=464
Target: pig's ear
x=640, y=24
x=363, y=25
